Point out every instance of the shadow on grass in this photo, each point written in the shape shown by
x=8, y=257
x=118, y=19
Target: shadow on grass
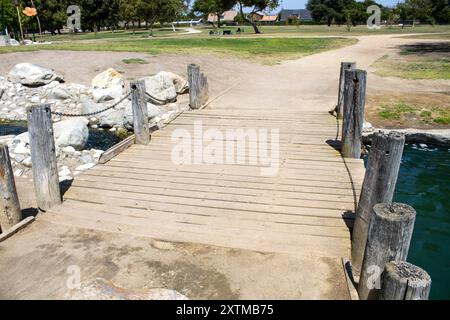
x=425, y=48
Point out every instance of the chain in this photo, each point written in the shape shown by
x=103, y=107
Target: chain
x=159, y=101
x=163, y=102
x=62, y=114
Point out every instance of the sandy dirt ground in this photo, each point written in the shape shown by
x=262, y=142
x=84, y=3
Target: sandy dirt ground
x=35, y=261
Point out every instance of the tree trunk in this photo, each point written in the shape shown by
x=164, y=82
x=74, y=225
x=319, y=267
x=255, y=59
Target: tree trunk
x=152, y=25
x=255, y=27
x=218, y=20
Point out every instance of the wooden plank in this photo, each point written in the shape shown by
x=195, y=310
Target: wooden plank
x=208, y=183
x=116, y=149
x=149, y=201
x=165, y=219
x=262, y=241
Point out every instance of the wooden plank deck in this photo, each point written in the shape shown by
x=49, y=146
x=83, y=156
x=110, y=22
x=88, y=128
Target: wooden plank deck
x=306, y=209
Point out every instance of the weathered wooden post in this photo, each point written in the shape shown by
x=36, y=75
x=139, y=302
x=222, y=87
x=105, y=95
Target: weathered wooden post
x=378, y=187
x=404, y=281
x=390, y=233
x=354, y=100
x=351, y=66
x=140, y=113
x=43, y=156
x=10, y=212
x=198, y=87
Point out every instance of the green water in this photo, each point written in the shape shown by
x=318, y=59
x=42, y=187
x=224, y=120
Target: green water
x=424, y=183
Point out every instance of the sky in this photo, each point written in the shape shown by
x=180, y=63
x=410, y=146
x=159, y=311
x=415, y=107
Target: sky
x=300, y=4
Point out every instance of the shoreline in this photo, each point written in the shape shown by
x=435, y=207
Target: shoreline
x=438, y=137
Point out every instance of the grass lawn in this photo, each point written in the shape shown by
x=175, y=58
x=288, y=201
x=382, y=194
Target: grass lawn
x=324, y=30
x=417, y=61
x=421, y=110
x=118, y=34
x=265, y=50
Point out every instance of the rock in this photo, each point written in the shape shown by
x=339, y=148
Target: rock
x=32, y=75
x=367, y=127
x=153, y=111
x=423, y=145
x=85, y=167
x=23, y=137
x=69, y=150
x=107, y=119
x=65, y=171
x=59, y=93
x=108, y=79
x=18, y=172
x=181, y=85
x=19, y=157
x=35, y=100
x=161, y=86
x=107, y=94
x=72, y=132
x=27, y=162
x=87, y=159
x=21, y=149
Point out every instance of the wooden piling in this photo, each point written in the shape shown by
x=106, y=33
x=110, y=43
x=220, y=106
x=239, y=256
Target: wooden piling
x=390, y=233
x=351, y=66
x=140, y=113
x=43, y=156
x=198, y=87
x=354, y=100
x=10, y=213
x=404, y=281
x=378, y=187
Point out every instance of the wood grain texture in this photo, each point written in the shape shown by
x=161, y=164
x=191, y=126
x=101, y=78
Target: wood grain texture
x=43, y=156
x=404, y=281
x=10, y=211
x=378, y=187
x=389, y=237
x=351, y=66
x=198, y=87
x=140, y=113
x=353, y=112
x=306, y=208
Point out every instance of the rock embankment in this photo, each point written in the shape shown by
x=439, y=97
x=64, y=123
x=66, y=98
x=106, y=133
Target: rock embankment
x=29, y=84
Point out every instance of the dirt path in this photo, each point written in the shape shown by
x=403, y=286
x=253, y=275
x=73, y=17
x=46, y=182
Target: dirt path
x=35, y=262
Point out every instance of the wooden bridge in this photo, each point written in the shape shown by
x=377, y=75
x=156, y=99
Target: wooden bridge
x=307, y=208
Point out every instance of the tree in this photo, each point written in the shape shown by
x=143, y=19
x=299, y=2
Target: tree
x=216, y=7
x=329, y=10
x=440, y=11
x=418, y=9
x=160, y=11
x=256, y=6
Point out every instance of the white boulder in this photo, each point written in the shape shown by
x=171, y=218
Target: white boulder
x=107, y=94
x=72, y=132
x=161, y=86
x=59, y=93
x=107, y=79
x=181, y=85
x=107, y=119
x=32, y=75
